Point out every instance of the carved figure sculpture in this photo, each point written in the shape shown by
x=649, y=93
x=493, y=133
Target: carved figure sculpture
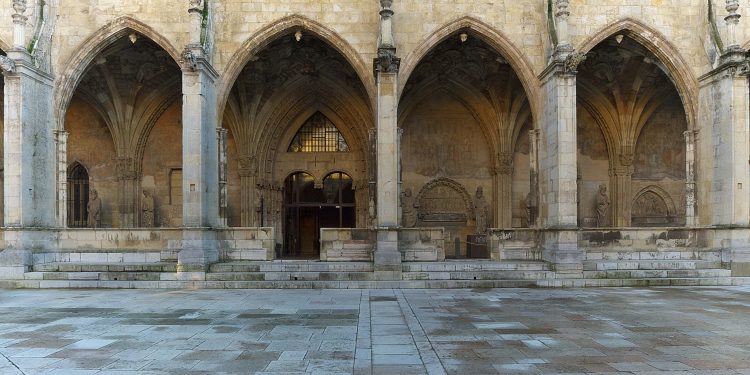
x=258, y=208
x=530, y=204
x=602, y=207
x=481, y=209
x=147, y=209
x=408, y=209
x=94, y=207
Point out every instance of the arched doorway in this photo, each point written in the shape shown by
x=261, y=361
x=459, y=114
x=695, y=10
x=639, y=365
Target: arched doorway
x=78, y=196
x=309, y=207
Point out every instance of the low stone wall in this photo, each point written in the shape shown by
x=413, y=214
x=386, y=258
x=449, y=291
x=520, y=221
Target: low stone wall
x=514, y=244
x=347, y=244
x=422, y=244
x=133, y=245
x=649, y=244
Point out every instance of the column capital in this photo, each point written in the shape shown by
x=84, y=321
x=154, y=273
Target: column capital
x=248, y=166
x=386, y=61
x=504, y=163
x=7, y=65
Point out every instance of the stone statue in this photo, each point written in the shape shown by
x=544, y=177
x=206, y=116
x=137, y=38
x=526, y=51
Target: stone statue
x=147, y=209
x=94, y=208
x=602, y=207
x=371, y=211
x=408, y=209
x=481, y=209
x=530, y=204
x=258, y=203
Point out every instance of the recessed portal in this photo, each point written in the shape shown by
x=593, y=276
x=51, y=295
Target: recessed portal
x=308, y=207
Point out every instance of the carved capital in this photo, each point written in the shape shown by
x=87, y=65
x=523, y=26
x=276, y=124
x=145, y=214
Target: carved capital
x=19, y=8
x=126, y=168
x=562, y=9
x=572, y=61
x=7, y=65
x=189, y=59
x=733, y=17
x=626, y=159
x=195, y=6
x=248, y=166
x=504, y=163
x=386, y=62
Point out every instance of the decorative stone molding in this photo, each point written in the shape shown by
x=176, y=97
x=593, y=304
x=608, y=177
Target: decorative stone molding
x=7, y=65
x=386, y=60
x=189, y=59
x=126, y=168
x=451, y=185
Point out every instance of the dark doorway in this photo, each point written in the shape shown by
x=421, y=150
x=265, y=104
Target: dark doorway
x=78, y=196
x=307, y=208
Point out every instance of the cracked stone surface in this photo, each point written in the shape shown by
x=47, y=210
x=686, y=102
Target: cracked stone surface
x=504, y=331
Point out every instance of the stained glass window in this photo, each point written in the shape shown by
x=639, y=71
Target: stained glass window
x=318, y=134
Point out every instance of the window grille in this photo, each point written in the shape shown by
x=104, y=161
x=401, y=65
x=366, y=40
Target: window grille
x=78, y=197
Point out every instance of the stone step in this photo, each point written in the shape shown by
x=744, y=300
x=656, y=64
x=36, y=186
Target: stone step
x=108, y=256
x=291, y=266
x=650, y=254
x=468, y=266
x=649, y=274
x=601, y=265
x=289, y=276
x=479, y=275
x=420, y=284
x=97, y=276
x=105, y=267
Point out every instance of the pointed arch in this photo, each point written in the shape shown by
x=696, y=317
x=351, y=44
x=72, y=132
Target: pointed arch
x=78, y=64
x=489, y=35
x=662, y=194
x=273, y=31
x=677, y=68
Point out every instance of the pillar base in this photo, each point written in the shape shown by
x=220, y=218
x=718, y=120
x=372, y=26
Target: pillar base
x=196, y=251
x=387, y=257
x=560, y=248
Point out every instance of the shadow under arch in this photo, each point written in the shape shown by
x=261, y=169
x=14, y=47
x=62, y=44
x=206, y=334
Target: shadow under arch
x=678, y=70
x=266, y=35
x=489, y=35
x=77, y=65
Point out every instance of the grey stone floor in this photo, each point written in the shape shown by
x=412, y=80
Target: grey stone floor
x=506, y=331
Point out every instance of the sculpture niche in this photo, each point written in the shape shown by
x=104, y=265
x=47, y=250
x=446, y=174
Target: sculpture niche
x=481, y=211
x=147, y=209
x=602, y=207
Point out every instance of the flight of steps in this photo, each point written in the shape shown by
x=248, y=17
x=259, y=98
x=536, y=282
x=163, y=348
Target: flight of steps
x=115, y=269
x=656, y=268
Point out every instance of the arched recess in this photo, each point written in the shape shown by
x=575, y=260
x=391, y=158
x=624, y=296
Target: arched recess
x=290, y=24
x=79, y=63
x=653, y=206
x=78, y=195
x=130, y=81
x=628, y=87
x=285, y=79
x=462, y=105
x=677, y=68
x=489, y=35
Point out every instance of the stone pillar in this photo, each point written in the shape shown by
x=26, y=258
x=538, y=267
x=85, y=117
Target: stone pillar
x=128, y=192
x=503, y=181
x=19, y=24
x=621, y=190
x=221, y=140
x=61, y=145
x=561, y=23
x=725, y=115
x=28, y=158
x=200, y=179
x=249, y=202
x=534, y=176
x=386, y=65
x=732, y=19
x=691, y=218
x=557, y=164
x=195, y=11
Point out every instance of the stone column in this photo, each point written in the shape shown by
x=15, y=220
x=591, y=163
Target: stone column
x=534, y=175
x=732, y=20
x=691, y=219
x=561, y=23
x=557, y=164
x=128, y=179
x=249, y=203
x=61, y=145
x=28, y=158
x=200, y=179
x=221, y=140
x=386, y=65
x=621, y=190
x=503, y=181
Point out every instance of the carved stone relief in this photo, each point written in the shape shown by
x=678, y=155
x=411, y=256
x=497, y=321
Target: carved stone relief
x=444, y=200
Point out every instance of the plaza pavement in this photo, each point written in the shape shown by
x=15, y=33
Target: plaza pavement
x=671, y=331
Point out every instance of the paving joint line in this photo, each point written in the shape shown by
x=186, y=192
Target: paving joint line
x=12, y=363
x=430, y=359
